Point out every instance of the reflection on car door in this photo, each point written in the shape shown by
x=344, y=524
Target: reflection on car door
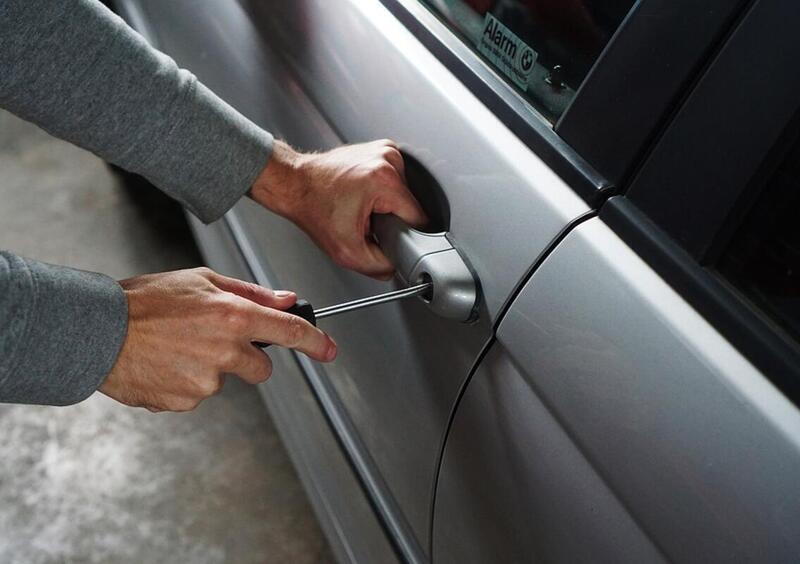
x=400, y=367
x=612, y=423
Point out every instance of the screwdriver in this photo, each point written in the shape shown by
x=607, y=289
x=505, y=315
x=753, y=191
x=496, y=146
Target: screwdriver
x=302, y=308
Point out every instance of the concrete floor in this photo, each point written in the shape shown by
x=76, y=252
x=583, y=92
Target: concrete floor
x=101, y=482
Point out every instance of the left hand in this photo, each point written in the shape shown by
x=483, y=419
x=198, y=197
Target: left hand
x=189, y=328
x=332, y=195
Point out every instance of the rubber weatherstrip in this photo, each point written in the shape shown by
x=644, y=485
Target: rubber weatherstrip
x=389, y=515
x=485, y=350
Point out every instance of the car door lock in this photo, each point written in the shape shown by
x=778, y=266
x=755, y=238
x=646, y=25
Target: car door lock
x=426, y=262
x=430, y=258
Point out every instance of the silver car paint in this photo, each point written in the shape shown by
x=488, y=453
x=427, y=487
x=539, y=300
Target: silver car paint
x=337, y=497
x=400, y=366
x=610, y=395
x=693, y=442
x=514, y=487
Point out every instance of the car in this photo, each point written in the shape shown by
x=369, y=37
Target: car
x=608, y=366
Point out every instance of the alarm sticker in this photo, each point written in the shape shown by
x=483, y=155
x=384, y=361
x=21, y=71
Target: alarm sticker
x=506, y=51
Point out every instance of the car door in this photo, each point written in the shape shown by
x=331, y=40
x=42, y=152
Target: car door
x=498, y=150
x=640, y=402
x=401, y=366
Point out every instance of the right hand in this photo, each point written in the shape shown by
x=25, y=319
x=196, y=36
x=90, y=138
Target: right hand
x=332, y=197
x=187, y=329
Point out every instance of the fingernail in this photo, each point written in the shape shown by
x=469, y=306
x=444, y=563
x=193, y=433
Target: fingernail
x=283, y=294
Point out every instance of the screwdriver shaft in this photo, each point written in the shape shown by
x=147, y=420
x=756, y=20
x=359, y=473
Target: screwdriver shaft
x=373, y=300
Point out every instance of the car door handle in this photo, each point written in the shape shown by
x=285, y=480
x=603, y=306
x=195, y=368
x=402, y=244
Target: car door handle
x=430, y=257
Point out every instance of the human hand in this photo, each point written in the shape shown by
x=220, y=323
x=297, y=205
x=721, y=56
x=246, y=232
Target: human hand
x=187, y=329
x=331, y=196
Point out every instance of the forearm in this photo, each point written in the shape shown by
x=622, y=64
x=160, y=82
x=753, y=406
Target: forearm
x=60, y=331
x=79, y=72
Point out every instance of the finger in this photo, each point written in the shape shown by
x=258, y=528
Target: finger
x=256, y=366
x=374, y=262
x=395, y=158
x=388, y=143
x=400, y=202
x=287, y=330
x=278, y=299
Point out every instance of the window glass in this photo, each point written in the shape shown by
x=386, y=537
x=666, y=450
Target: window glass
x=543, y=48
x=763, y=260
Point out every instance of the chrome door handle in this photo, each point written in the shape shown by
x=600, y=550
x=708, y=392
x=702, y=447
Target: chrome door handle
x=430, y=257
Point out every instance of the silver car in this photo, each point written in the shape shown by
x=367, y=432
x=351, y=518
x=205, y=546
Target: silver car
x=608, y=366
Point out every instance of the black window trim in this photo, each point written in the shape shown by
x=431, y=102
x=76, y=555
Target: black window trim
x=679, y=218
x=640, y=79
x=550, y=144
x=765, y=344
x=696, y=204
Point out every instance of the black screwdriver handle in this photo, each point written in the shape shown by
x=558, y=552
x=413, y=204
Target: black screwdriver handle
x=302, y=308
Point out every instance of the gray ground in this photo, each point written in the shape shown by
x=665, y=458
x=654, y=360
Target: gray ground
x=100, y=482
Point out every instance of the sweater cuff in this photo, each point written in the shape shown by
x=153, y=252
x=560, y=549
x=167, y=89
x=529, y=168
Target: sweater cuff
x=220, y=152
x=76, y=325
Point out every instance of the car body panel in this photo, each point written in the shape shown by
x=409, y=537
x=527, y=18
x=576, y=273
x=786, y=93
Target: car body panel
x=515, y=488
x=400, y=366
x=701, y=449
x=605, y=418
x=338, y=499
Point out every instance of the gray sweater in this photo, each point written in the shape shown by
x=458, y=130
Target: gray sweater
x=76, y=70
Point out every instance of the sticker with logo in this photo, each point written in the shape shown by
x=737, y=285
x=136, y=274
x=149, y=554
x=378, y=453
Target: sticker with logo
x=506, y=51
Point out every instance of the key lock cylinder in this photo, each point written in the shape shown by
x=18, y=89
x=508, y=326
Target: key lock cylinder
x=431, y=258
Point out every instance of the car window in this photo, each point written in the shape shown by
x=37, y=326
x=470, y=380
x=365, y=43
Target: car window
x=763, y=259
x=543, y=48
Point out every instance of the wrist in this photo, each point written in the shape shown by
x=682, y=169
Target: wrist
x=282, y=182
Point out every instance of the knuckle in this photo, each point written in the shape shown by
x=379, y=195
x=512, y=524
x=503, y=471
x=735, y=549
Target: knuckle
x=188, y=405
x=384, y=171
x=250, y=292
x=207, y=387
x=340, y=252
x=224, y=303
x=345, y=258
x=227, y=359
x=204, y=271
x=391, y=154
x=237, y=321
x=234, y=316
x=295, y=330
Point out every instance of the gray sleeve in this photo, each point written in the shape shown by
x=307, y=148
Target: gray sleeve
x=61, y=331
x=78, y=71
